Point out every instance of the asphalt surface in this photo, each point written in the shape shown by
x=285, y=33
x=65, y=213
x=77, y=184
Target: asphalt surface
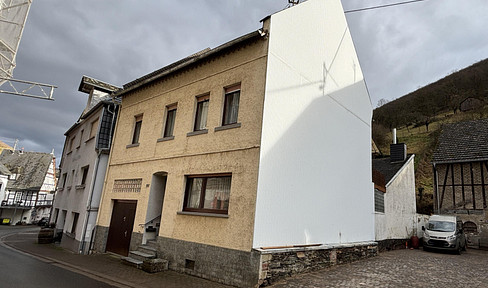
x=21, y=270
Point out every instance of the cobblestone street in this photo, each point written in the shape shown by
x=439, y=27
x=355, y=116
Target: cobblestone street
x=402, y=268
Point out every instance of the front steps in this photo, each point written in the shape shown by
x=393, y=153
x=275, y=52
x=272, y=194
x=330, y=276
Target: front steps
x=145, y=258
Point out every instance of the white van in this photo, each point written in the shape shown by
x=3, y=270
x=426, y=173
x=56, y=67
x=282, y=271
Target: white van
x=444, y=233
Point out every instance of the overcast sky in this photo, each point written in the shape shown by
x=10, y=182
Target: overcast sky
x=400, y=49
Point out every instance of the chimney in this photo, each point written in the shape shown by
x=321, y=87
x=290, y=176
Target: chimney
x=398, y=151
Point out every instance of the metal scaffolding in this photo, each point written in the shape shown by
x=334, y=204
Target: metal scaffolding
x=13, y=15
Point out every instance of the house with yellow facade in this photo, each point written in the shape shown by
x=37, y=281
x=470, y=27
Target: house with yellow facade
x=249, y=161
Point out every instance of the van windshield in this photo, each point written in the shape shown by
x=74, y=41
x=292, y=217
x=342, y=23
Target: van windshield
x=441, y=226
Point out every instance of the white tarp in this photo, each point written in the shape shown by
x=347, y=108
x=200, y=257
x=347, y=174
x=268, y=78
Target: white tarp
x=13, y=14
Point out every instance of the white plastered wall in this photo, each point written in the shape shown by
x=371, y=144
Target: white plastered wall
x=314, y=184
x=400, y=219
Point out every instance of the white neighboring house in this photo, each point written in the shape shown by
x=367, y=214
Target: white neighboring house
x=395, y=201
x=29, y=192
x=83, y=166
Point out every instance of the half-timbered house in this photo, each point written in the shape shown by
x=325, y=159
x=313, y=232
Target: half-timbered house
x=460, y=165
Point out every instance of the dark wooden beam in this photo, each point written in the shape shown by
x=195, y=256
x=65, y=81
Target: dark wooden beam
x=444, y=187
x=453, y=188
x=472, y=184
x=483, y=185
x=462, y=186
x=436, y=190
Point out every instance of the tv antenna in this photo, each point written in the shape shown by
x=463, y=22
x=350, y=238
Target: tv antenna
x=13, y=15
x=293, y=2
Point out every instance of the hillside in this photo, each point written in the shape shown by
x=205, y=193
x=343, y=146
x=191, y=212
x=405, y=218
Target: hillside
x=447, y=94
x=419, y=116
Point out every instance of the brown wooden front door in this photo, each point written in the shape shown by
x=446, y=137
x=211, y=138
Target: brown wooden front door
x=121, y=224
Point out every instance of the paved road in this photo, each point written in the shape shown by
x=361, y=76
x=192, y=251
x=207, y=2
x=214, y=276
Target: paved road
x=20, y=270
x=402, y=268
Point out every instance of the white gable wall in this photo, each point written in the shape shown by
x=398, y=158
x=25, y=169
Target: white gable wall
x=314, y=183
x=400, y=219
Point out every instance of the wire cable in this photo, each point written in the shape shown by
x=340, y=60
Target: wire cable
x=383, y=6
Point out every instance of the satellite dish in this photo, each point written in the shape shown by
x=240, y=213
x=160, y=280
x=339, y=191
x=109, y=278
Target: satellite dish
x=13, y=15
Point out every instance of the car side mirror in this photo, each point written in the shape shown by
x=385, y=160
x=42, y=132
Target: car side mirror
x=423, y=228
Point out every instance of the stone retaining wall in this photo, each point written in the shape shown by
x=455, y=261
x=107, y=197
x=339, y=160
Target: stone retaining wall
x=277, y=264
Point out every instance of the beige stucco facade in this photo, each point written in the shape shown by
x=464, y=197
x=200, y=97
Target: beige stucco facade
x=234, y=150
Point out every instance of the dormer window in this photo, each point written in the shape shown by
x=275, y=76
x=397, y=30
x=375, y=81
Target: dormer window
x=12, y=176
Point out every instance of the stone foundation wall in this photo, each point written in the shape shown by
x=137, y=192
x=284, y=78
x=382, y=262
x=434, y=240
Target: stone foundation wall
x=227, y=266
x=100, y=241
x=277, y=264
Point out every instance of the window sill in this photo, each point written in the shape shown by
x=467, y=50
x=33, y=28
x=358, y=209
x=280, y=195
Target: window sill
x=204, y=131
x=70, y=235
x=60, y=189
x=78, y=147
x=69, y=152
x=202, y=214
x=132, y=145
x=166, y=138
x=79, y=187
x=225, y=127
x=68, y=188
x=89, y=139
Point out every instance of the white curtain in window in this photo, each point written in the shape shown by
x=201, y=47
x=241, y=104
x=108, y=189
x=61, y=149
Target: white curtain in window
x=194, y=197
x=217, y=193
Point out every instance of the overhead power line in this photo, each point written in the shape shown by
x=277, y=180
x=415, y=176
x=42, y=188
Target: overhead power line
x=383, y=6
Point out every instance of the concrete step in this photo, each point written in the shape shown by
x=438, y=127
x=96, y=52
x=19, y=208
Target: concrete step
x=148, y=249
x=152, y=243
x=132, y=262
x=155, y=265
x=139, y=255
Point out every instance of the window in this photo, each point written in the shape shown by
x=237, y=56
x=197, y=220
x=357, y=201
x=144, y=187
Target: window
x=137, y=129
x=72, y=177
x=71, y=143
x=170, y=121
x=65, y=176
x=84, y=171
x=81, y=138
x=93, y=129
x=231, y=104
x=379, y=201
x=75, y=222
x=201, y=113
x=208, y=194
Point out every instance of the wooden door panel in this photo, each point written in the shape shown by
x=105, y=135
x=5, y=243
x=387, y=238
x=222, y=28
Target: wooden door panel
x=121, y=224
